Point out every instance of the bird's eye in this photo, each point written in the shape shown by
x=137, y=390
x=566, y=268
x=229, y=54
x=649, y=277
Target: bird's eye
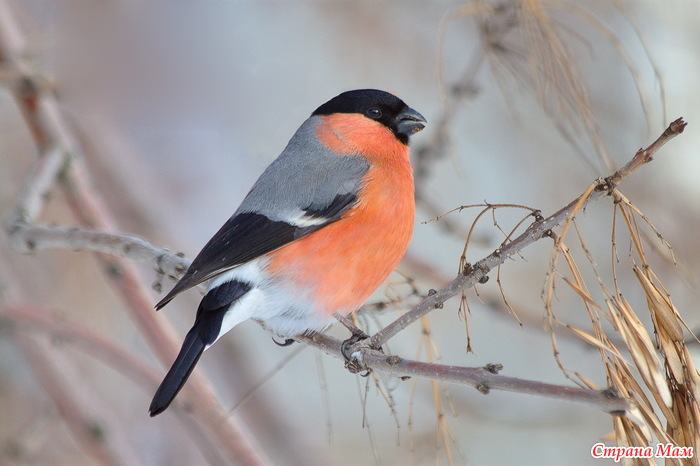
x=374, y=113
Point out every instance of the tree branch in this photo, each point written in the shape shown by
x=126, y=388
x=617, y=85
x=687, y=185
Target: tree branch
x=27, y=239
x=538, y=229
x=483, y=379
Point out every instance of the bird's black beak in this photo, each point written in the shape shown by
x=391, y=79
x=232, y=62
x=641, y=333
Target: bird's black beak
x=409, y=122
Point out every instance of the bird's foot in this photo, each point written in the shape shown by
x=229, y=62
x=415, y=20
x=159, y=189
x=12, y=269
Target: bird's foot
x=347, y=345
x=350, y=349
x=353, y=357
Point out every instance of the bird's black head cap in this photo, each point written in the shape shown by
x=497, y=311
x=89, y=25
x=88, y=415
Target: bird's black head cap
x=377, y=105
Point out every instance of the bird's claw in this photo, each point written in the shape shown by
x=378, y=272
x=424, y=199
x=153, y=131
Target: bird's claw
x=286, y=342
x=347, y=345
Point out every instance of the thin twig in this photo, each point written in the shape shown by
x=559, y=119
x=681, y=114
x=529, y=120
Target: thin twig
x=33, y=195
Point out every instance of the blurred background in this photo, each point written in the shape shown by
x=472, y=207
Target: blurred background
x=179, y=106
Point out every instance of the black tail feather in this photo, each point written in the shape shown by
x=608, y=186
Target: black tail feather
x=192, y=349
x=206, y=330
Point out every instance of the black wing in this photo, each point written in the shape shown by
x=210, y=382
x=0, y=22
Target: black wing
x=249, y=235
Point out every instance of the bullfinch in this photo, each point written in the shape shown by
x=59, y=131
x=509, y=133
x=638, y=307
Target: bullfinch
x=318, y=233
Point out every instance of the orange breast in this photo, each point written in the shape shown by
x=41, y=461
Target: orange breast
x=342, y=264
